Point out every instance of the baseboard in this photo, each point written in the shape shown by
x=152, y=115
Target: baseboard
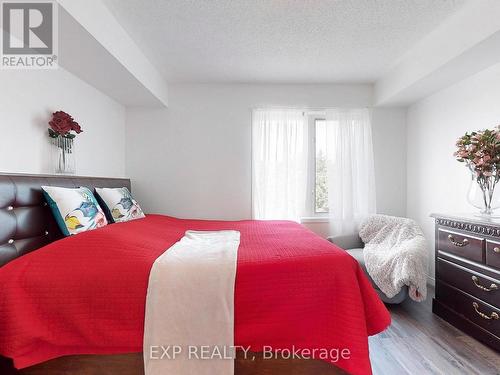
x=431, y=281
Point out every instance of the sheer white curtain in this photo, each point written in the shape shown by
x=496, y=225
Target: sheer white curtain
x=279, y=168
x=351, y=176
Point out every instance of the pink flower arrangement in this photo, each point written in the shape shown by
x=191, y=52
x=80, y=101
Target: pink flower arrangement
x=480, y=151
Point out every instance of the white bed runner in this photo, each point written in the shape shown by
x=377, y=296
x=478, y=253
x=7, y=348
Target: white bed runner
x=190, y=306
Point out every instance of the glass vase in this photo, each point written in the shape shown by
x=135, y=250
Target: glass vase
x=63, y=155
x=482, y=193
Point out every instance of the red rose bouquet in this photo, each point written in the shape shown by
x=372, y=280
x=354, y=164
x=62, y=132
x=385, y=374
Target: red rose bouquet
x=62, y=124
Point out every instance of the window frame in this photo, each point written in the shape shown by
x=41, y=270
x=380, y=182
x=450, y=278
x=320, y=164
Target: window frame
x=314, y=208
x=311, y=196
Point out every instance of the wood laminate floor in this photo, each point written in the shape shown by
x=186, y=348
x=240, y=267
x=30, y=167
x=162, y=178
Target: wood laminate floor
x=419, y=343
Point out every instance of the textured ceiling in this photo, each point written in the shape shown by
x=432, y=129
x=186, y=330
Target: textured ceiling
x=278, y=40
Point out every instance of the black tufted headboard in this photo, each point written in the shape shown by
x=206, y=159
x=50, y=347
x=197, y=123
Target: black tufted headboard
x=26, y=222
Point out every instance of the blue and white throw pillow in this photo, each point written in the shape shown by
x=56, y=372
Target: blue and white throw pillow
x=119, y=204
x=75, y=209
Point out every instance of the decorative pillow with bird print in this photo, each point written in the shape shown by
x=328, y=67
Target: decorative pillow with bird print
x=119, y=204
x=75, y=209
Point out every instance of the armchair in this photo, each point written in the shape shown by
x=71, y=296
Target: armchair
x=354, y=246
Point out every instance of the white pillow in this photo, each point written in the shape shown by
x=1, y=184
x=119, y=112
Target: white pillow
x=75, y=209
x=120, y=204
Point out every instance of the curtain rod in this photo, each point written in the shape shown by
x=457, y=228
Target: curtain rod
x=308, y=110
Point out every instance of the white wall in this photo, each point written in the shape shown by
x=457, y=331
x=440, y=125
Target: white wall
x=194, y=158
x=27, y=100
x=436, y=182
x=389, y=149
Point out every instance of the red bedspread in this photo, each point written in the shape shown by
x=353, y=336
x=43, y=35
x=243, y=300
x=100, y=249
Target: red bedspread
x=86, y=294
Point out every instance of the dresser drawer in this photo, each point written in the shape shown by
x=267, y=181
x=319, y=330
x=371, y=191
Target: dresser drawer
x=478, y=312
x=466, y=246
x=493, y=254
x=473, y=283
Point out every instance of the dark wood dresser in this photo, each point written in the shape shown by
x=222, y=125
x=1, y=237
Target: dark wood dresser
x=467, y=254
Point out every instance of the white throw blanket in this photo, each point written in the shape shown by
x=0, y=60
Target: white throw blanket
x=395, y=255
x=190, y=303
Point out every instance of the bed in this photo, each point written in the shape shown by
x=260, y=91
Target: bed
x=77, y=304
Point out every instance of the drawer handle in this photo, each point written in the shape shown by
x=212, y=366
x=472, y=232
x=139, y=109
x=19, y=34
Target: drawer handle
x=465, y=241
x=492, y=316
x=496, y=249
x=475, y=280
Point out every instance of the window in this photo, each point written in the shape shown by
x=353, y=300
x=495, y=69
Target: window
x=294, y=154
x=320, y=166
